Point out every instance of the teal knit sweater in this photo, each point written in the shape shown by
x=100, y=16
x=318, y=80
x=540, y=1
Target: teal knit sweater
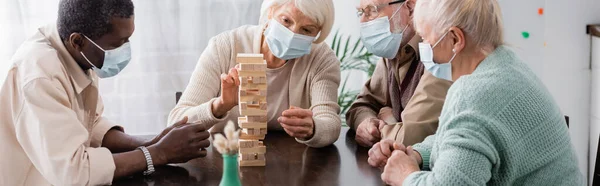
x=499, y=126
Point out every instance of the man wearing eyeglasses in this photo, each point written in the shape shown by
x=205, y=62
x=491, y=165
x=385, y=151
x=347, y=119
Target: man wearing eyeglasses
x=401, y=103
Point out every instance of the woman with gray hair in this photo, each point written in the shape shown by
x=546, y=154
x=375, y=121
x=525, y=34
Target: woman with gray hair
x=303, y=73
x=499, y=124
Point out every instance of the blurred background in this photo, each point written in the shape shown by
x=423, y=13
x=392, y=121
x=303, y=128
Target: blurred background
x=550, y=35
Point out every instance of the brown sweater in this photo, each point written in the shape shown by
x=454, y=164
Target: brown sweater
x=420, y=114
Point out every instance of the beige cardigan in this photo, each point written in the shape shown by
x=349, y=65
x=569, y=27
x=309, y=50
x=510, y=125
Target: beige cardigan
x=314, y=83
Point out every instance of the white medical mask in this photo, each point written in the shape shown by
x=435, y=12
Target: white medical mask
x=284, y=43
x=378, y=39
x=115, y=60
x=439, y=70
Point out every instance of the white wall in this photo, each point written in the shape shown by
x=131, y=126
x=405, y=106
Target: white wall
x=565, y=66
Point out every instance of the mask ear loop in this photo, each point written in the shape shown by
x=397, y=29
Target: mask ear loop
x=396, y=11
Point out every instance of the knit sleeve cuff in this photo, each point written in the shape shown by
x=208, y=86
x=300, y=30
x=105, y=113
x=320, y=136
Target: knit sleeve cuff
x=425, y=156
x=326, y=133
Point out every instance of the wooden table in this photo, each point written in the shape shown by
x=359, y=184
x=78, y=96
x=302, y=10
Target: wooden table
x=289, y=163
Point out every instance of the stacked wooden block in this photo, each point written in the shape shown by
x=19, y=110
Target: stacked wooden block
x=253, y=109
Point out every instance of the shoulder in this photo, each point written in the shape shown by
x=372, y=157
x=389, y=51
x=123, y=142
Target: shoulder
x=497, y=82
x=35, y=59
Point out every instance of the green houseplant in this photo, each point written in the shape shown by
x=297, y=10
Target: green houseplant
x=353, y=57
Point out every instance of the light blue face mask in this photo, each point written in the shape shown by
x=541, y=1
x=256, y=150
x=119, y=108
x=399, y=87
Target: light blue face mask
x=378, y=39
x=439, y=70
x=284, y=43
x=115, y=60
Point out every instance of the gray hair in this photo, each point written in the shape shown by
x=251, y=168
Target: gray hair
x=90, y=17
x=481, y=20
x=320, y=11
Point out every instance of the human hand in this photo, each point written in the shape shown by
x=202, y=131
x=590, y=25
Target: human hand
x=182, y=144
x=230, y=84
x=180, y=123
x=382, y=151
x=399, y=166
x=297, y=122
x=368, y=132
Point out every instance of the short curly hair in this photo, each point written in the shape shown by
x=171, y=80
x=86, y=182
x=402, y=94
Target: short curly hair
x=90, y=17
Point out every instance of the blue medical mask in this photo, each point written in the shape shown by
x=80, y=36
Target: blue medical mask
x=284, y=43
x=378, y=39
x=115, y=60
x=439, y=70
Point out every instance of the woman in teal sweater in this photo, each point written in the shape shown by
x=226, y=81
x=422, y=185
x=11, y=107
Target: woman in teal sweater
x=499, y=124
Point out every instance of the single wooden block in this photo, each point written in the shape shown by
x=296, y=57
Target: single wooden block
x=259, y=79
x=249, y=143
x=243, y=105
x=251, y=73
x=254, y=150
x=254, y=156
x=260, y=67
x=263, y=106
x=244, y=123
x=245, y=136
x=242, y=92
x=253, y=112
x=252, y=99
x=252, y=86
x=253, y=163
x=250, y=58
x=245, y=81
x=256, y=118
x=263, y=131
x=246, y=67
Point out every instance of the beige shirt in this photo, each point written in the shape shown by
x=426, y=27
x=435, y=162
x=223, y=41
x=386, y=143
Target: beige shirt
x=51, y=127
x=420, y=116
x=314, y=82
x=278, y=92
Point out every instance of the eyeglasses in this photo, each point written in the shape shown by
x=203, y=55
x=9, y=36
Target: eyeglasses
x=372, y=11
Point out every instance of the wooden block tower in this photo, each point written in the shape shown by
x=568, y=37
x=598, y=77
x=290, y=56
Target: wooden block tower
x=253, y=109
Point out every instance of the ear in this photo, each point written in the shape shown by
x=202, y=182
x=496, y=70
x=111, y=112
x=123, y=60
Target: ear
x=410, y=4
x=271, y=12
x=458, y=39
x=77, y=41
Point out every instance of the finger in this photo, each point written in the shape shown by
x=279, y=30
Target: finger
x=195, y=127
x=289, y=132
x=297, y=113
x=295, y=129
x=202, y=153
x=381, y=124
x=203, y=135
x=295, y=107
x=374, y=131
x=293, y=121
x=400, y=147
x=233, y=72
x=385, y=148
x=372, y=162
x=363, y=142
x=364, y=135
x=227, y=79
x=201, y=144
x=181, y=122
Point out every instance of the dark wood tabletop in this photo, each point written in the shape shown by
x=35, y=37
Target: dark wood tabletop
x=289, y=163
